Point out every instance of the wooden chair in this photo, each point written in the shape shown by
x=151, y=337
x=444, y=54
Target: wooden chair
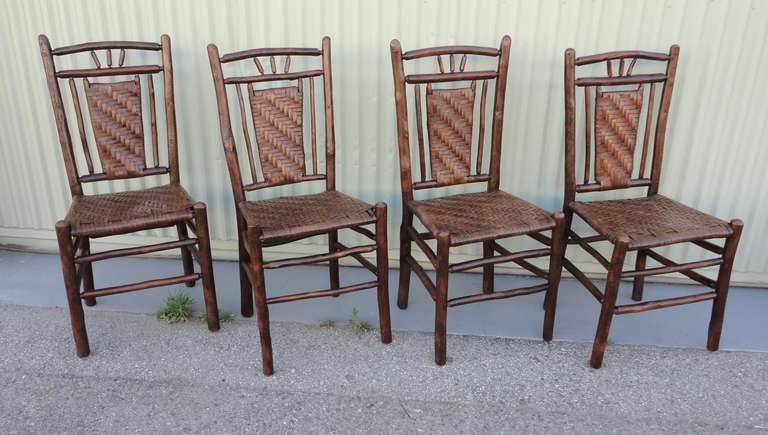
x=453, y=220
x=277, y=115
x=116, y=118
x=616, y=105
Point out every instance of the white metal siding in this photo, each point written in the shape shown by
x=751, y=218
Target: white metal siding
x=716, y=145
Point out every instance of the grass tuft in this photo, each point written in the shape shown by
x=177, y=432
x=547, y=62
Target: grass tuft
x=357, y=324
x=328, y=323
x=177, y=308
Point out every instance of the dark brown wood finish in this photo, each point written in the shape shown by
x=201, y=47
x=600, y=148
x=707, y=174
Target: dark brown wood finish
x=282, y=220
x=636, y=224
x=94, y=216
x=453, y=220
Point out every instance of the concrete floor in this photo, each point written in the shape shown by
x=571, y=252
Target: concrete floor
x=35, y=279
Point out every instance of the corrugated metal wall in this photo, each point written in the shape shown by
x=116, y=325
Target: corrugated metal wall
x=716, y=142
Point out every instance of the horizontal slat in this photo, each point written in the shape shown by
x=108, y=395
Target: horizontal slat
x=106, y=45
x=664, y=303
x=112, y=71
x=141, y=285
x=618, y=81
x=450, y=49
x=701, y=279
x=432, y=183
x=672, y=269
x=310, y=259
x=480, y=297
x=257, y=52
x=450, y=77
x=322, y=293
x=138, y=250
x=473, y=264
x=627, y=54
x=264, y=184
x=273, y=77
x=364, y=231
x=709, y=246
x=91, y=178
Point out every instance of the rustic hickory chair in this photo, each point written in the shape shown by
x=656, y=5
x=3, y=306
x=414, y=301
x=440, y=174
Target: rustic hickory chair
x=116, y=115
x=453, y=220
x=277, y=114
x=617, y=106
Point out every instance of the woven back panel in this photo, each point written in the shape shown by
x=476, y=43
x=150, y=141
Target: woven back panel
x=115, y=110
x=616, y=118
x=277, y=117
x=449, y=124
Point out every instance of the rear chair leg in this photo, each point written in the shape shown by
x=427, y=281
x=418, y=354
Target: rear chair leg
x=555, y=269
x=723, y=281
x=76, y=317
x=609, y=302
x=206, y=267
x=639, y=281
x=441, y=303
x=246, y=294
x=259, y=293
x=405, y=268
x=186, y=256
x=488, y=269
x=333, y=265
x=382, y=272
x=88, y=285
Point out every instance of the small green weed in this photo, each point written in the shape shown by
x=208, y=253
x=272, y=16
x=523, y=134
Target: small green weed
x=328, y=323
x=226, y=316
x=609, y=342
x=177, y=308
x=357, y=324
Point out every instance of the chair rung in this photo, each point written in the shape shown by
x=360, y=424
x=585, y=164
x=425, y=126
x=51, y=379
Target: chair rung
x=161, y=282
x=479, y=297
x=309, y=259
x=541, y=273
x=423, y=277
x=134, y=251
x=663, y=303
x=586, y=282
x=671, y=269
x=322, y=293
x=360, y=259
x=472, y=264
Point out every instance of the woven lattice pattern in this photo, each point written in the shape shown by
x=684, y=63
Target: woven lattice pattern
x=650, y=221
x=449, y=123
x=116, y=213
x=306, y=214
x=115, y=110
x=472, y=217
x=277, y=117
x=616, y=119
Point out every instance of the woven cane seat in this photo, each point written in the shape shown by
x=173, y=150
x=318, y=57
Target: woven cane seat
x=122, y=212
x=474, y=217
x=650, y=221
x=292, y=216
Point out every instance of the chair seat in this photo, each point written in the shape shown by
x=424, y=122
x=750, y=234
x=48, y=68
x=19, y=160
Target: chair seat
x=306, y=215
x=474, y=217
x=650, y=221
x=124, y=212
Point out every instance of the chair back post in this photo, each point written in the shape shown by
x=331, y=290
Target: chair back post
x=498, y=113
x=661, y=125
x=170, y=110
x=570, y=128
x=225, y=126
x=65, y=140
x=330, y=133
x=401, y=114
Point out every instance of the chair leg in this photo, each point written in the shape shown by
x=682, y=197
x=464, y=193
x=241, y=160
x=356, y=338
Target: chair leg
x=186, y=256
x=553, y=279
x=260, y=295
x=333, y=265
x=723, y=281
x=639, y=281
x=609, y=302
x=441, y=303
x=382, y=272
x=405, y=268
x=246, y=294
x=488, y=269
x=206, y=267
x=76, y=317
x=88, y=285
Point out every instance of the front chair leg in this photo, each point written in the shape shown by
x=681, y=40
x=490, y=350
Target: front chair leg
x=333, y=265
x=186, y=256
x=382, y=272
x=639, y=281
x=405, y=268
x=88, y=285
x=609, y=302
x=723, y=281
x=76, y=317
x=556, y=253
x=441, y=302
x=246, y=294
x=260, y=295
x=206, y=266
